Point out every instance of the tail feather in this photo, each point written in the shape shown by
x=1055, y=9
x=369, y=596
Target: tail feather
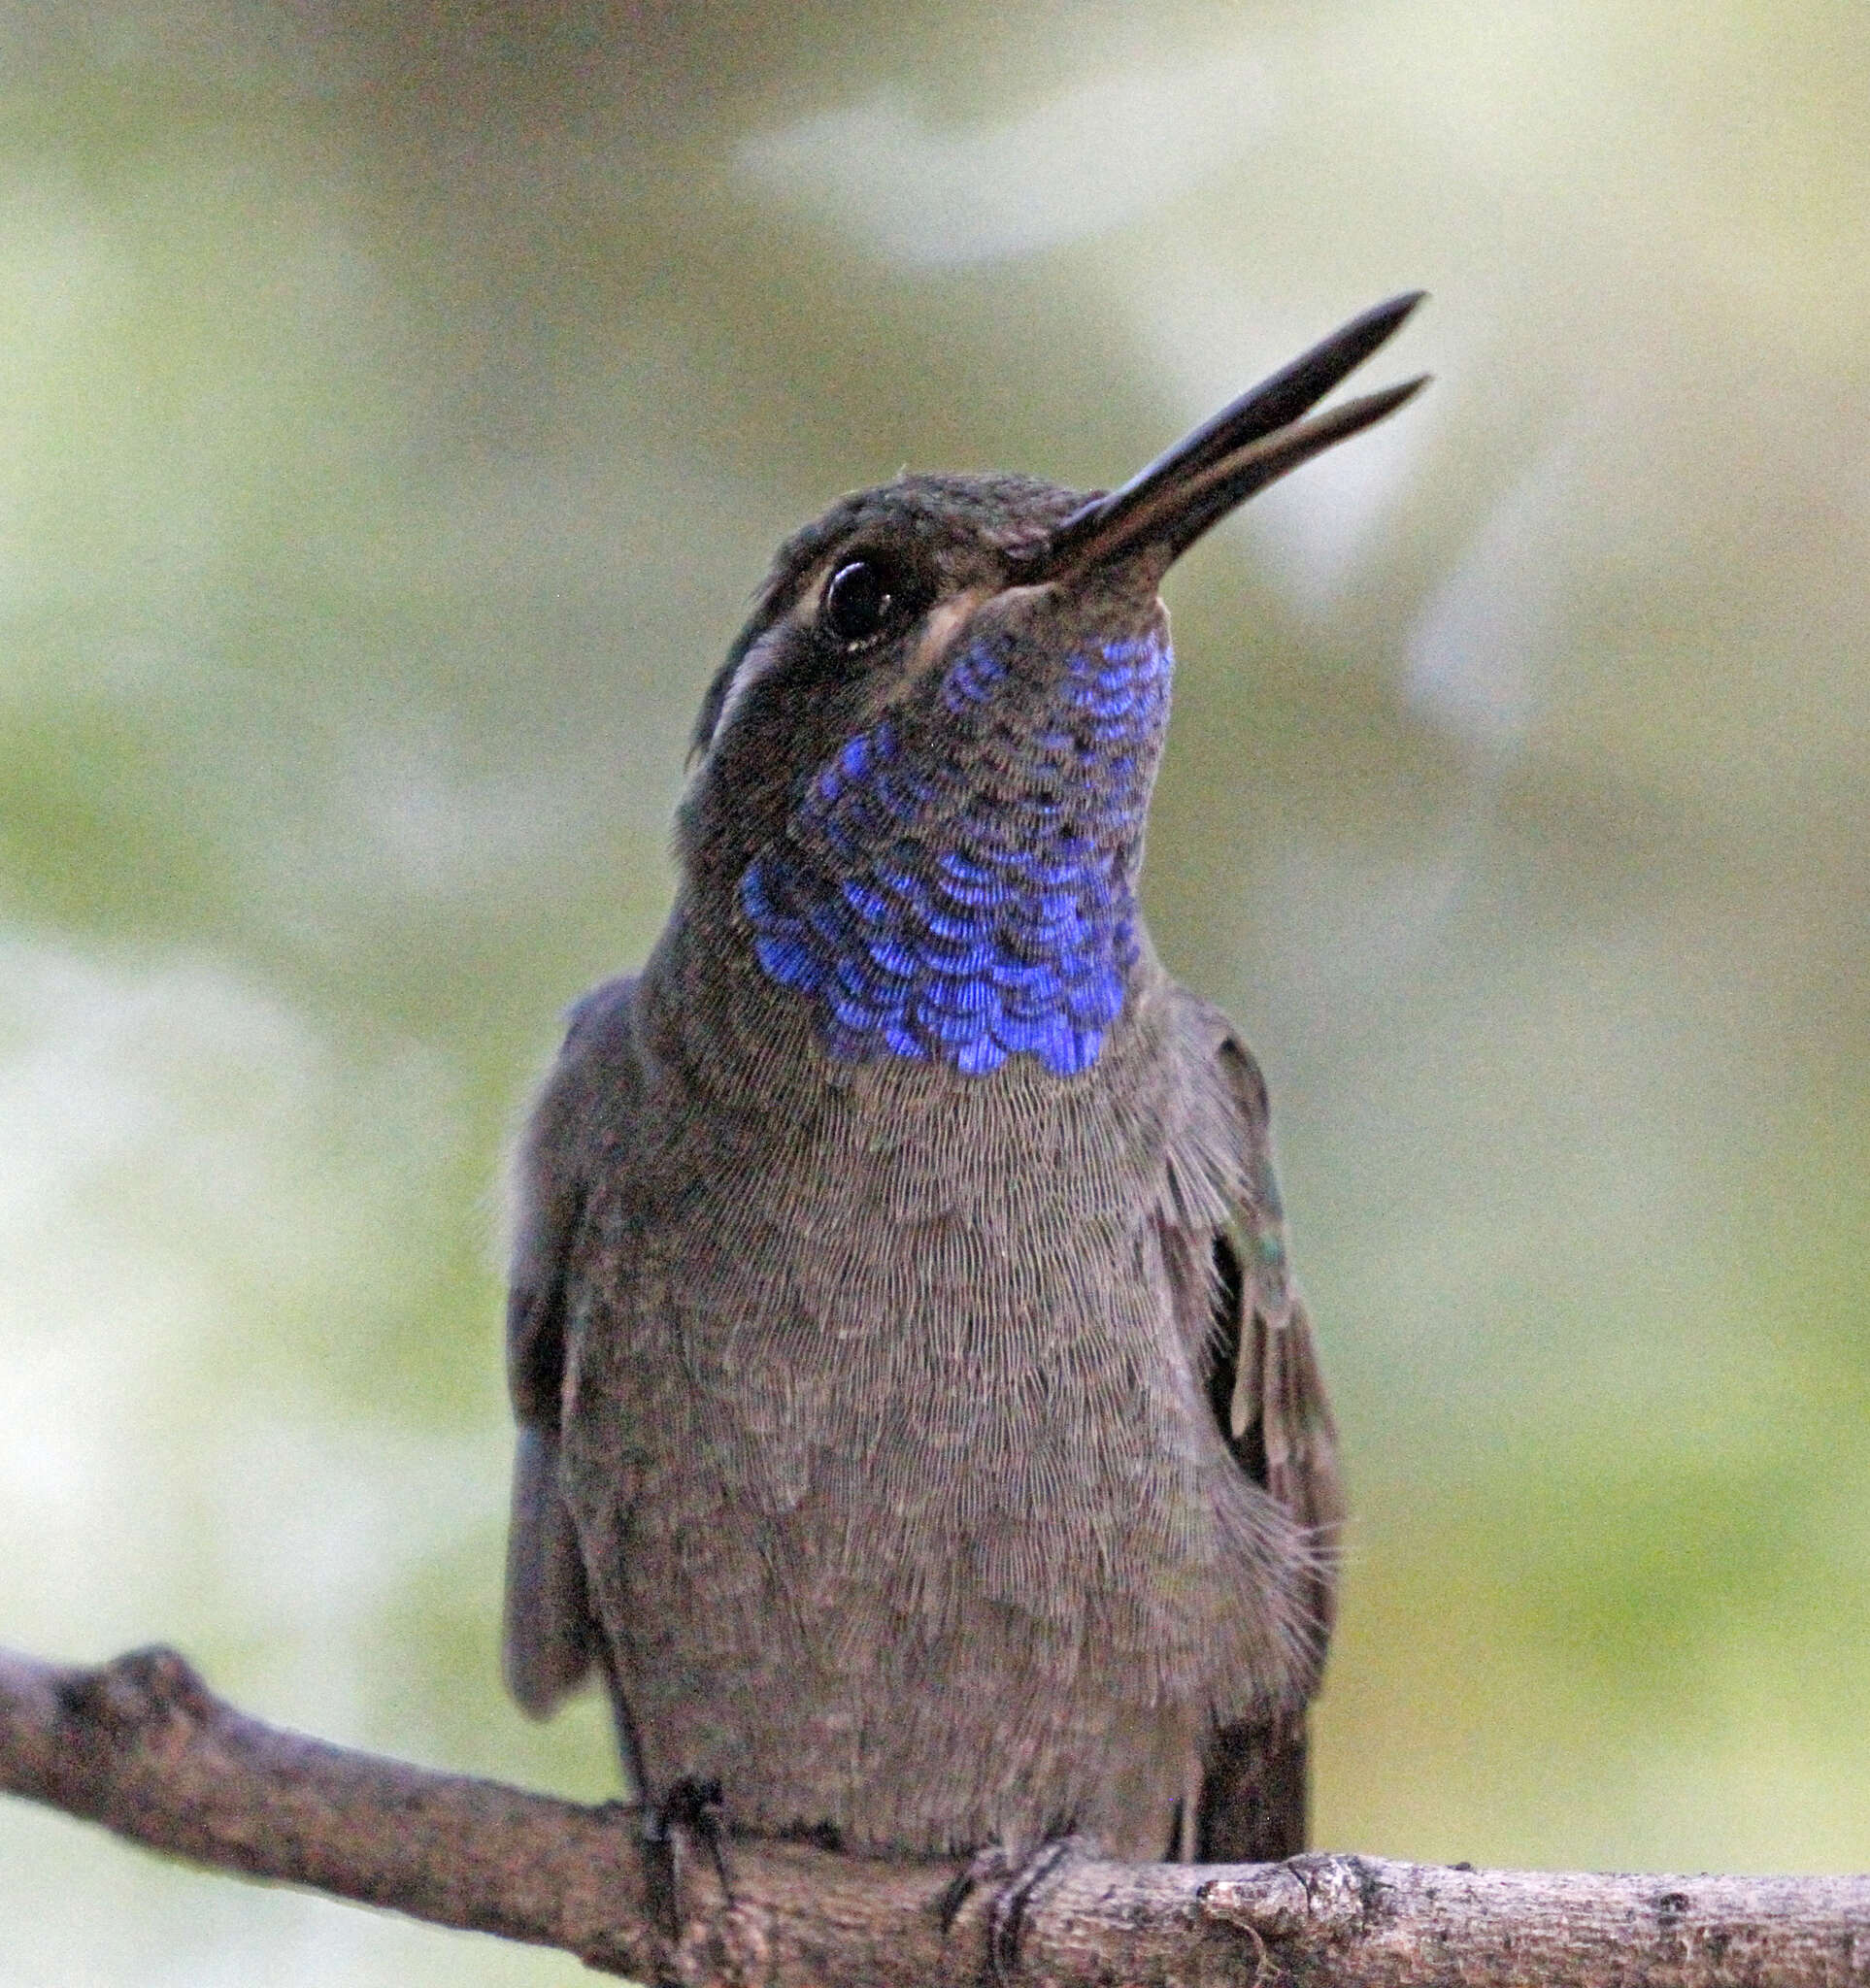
x=550, y=1642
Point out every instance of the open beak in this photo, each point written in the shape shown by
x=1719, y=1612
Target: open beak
x=1165, y=507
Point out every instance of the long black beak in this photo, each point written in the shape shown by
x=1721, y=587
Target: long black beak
x=1164, y=508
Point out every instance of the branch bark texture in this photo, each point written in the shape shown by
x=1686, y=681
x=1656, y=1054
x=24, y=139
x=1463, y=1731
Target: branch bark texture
x=142, y=1747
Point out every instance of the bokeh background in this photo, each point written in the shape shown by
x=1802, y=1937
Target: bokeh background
x=397, y=406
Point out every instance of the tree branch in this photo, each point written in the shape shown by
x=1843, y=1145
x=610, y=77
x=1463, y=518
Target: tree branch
x=142, y=1747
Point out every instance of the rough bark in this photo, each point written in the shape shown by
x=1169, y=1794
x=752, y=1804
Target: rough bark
x=143, y=1747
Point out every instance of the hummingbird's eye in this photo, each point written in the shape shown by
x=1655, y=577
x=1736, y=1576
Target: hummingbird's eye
x=861, y=598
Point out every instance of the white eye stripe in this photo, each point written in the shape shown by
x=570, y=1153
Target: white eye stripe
x=754, y=665
x=943, y=622
x=764, y=654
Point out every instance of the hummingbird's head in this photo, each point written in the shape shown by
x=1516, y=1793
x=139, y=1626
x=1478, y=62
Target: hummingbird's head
x=922, y=774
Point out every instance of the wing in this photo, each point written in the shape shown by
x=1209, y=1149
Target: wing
x=551, y=1640
x=1269, y=1399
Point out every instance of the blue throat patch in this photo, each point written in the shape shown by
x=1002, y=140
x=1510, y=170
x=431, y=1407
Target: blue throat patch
x=959, y=885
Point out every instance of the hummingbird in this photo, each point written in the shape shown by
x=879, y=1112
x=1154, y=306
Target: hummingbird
x=919, y=1431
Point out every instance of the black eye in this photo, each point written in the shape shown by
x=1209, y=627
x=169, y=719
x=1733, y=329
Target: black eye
x=861, y=598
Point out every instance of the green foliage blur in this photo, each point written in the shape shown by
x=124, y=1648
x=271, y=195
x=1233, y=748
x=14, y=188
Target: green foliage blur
x=399, y=405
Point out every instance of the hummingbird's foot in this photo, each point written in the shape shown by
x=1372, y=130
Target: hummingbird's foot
x=694, y=1806
x=1010, y=1883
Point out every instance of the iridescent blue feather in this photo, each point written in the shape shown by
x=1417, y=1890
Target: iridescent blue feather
x=941, y=901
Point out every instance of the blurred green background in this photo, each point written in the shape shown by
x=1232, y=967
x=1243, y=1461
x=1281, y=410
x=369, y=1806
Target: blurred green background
x=398, y=405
